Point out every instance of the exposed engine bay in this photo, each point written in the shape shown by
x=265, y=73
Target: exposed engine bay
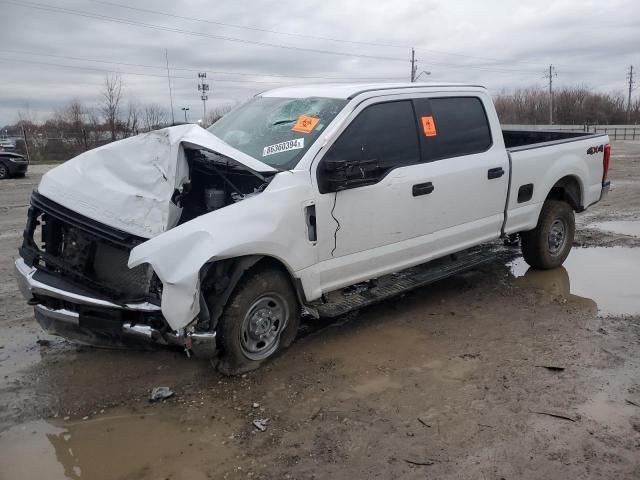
x=214, y=182
x=77, y=249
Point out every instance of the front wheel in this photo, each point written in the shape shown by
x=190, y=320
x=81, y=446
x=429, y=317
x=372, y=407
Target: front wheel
x=548, y=245
x=4, y=171
x=261, y=317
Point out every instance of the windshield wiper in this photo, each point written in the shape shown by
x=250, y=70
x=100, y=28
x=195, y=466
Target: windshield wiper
x=282, y=122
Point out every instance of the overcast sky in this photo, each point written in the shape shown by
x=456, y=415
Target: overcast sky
x=51, y=51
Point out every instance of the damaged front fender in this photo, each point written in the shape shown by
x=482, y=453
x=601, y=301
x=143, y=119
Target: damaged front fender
x=269, y=224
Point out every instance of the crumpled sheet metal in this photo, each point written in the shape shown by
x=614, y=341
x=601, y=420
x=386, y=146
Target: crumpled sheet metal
x=128, y=184
x=271, y=223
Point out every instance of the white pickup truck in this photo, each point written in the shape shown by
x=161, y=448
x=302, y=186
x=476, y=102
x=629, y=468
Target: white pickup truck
x=220, y=240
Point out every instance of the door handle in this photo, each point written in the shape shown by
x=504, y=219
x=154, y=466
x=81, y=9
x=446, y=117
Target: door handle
x=422, y=189
x=495, y=173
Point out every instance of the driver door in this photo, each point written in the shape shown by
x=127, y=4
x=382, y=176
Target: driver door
x=365, y=217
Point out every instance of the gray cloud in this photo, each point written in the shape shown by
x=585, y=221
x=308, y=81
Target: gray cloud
x=500, y=44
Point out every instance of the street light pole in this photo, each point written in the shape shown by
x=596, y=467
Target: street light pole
x=185, y=110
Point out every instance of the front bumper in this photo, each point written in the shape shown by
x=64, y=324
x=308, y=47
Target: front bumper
x=85, y=318
x=18, y=168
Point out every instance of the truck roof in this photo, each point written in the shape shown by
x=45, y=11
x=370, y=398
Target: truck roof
x=350, y=90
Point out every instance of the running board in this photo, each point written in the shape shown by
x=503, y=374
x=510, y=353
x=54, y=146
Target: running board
x=374, y=291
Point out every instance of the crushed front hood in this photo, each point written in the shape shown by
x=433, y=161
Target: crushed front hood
x=128, y=184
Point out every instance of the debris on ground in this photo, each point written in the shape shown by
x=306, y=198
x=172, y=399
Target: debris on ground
x=420, y=463
x=255, y=405
x=423, y=422
x=633, y=402
x=562, y=416
x=261, y=423
x=603, y=331
x=552, y=368
x=160, y=393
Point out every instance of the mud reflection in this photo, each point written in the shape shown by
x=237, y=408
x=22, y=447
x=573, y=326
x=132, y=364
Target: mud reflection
x=606, y=277
x=141, y=446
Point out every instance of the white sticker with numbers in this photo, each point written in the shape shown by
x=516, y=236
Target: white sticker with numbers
x=295, y=144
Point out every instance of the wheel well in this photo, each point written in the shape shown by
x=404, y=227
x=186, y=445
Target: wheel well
x=219, y=279
x=567, y=189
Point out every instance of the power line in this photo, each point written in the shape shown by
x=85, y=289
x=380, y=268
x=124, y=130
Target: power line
x=192, y=69
x=54, y=9
x=302, y=35
x=631, y=82
x=166, y=57
x=246, y=27
x=102, y=70
x=81, y=13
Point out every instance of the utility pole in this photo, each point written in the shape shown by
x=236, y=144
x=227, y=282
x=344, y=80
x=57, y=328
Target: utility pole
x=203, y=88
x=552, y=73
x=166, y=57
x=630, y=76
x=414, y=65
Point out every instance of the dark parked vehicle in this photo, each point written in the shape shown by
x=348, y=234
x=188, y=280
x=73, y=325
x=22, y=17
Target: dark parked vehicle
x=12, y=165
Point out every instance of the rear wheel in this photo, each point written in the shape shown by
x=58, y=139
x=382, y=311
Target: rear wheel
x=548, y=245
x=4, y=171
x=261, y=318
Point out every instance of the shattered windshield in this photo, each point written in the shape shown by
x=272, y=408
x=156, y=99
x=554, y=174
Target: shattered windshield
x=277, y=131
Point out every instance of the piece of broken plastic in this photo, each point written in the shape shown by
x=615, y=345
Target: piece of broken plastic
x=160, y=393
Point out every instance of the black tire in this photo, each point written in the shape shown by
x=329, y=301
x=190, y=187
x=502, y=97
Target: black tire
x=263, y=301
x=548, y=245
x=4, y=171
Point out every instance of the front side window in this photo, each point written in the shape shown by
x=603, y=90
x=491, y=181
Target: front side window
x=277, y=131
x=381, y=137
x=452, y=127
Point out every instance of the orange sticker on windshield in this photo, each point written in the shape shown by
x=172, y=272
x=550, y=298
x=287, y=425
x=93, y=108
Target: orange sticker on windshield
x=305, y=124
x=429, y=126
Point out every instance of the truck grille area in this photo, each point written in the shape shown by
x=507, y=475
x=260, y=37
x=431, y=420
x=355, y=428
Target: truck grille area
x=80, y=250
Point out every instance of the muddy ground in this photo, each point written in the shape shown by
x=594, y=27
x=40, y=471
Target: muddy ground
x=446, y=382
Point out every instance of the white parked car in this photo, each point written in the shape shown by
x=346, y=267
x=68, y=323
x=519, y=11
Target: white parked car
x=218, y=240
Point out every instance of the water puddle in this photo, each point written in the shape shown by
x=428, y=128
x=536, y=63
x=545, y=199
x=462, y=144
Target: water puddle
x=123, y=445
x=623, y=228
x=606, y=276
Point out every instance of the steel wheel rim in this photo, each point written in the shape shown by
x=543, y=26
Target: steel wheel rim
x=3, y=171
x=557, y=236
x=262, y=326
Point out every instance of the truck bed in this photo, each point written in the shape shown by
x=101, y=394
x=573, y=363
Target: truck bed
x=522, y=139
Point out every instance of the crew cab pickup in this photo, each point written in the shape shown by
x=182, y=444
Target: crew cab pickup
x=305, y=200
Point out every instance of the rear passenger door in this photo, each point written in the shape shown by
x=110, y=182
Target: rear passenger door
x=468, y=169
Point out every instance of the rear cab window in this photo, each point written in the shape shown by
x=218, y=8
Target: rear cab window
x=452, y=127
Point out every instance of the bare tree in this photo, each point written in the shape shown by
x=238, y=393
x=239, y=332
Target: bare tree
x=217, y=113
x=72, y=118
x=26, y=115
x=110, y=106
x=133, y=119
x=153, y=117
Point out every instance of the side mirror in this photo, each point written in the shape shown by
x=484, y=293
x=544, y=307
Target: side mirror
x=343, y=174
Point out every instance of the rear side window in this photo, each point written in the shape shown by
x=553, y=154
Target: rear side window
x=385, y=132
x=452, y=127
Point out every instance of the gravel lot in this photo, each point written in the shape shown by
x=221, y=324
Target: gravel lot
x=447, y=382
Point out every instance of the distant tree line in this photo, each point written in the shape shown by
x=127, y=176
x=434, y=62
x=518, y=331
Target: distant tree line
x=77, y=127
x=571, y=106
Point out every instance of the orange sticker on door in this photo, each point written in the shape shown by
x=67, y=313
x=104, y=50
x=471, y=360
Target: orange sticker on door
x=305, y=124
x=429, y=126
